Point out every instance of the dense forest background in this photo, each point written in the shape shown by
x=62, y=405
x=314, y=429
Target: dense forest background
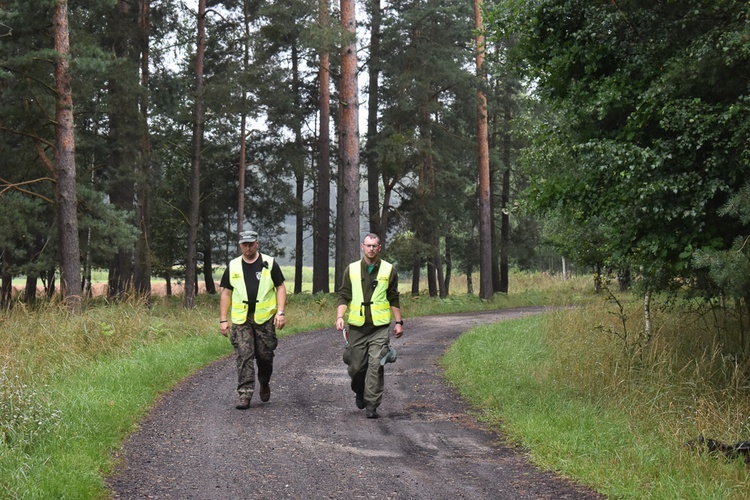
x=615, y=135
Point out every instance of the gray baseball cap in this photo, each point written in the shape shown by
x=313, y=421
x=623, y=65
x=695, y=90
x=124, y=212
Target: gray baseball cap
x=248, y=237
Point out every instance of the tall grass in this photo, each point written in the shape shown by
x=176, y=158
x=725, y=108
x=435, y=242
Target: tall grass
x=72, y=387
x=582, y=391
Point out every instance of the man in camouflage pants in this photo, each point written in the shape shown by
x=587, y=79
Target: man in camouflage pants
x=253, y=298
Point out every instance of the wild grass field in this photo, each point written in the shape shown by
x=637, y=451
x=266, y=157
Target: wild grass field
x=577, y=388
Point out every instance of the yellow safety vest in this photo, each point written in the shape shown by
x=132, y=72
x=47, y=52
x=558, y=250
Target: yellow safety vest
x=265, y=305
x=380, y=308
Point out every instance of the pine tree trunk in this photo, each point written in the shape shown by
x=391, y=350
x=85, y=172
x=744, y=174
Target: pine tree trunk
x=505, y=196
x=485, y=216
x=194, y=210
x=299, y=173
x=124, y=133
x=29, y=295
x=65, y=195
x=373, y=172
x=415, y=272
x=349, y=132
x=243, y=123
x=208, y=268
x=142, y=261
x=321, y=225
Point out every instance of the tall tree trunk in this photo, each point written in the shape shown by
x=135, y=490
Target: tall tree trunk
x=243, y=122
x=340, y=261
x=124, y=133
x=65, y=167
x=495, y=230
x=29, y=295
x=439, y=267
x=321, y=225
x=142, y=264
x=208, y=267
x=349, y=130
x=195, y=189
x=388, y=186
x=448, y=265
x=299, y=174
x=415, y=276
x=373, y=174
x=505, y=200
x=432, y=287
x=6, y=290
x=485, y=216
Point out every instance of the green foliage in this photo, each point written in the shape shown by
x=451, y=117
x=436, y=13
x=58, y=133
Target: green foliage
x=730, y=269
x=645, y=136
x=424, y=142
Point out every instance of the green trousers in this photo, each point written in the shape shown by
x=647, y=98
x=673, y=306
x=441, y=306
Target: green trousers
x=365, y=370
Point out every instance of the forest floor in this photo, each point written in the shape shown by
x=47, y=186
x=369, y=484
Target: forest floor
x=311, y=441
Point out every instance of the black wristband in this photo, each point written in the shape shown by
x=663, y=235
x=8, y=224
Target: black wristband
x=224, y=321
x=401, y=322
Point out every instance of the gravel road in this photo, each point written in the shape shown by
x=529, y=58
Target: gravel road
x=310, y=440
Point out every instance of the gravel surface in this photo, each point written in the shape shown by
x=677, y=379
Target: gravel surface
x=311, y=441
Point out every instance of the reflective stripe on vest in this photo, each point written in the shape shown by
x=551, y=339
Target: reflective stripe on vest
x=380, y=308
x=265, y=305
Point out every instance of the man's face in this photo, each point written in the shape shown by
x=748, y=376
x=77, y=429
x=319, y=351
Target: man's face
x=371, y=248
x=249, y=249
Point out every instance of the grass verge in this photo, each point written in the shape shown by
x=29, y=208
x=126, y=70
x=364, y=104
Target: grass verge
x=72, y=388
x=517, y=375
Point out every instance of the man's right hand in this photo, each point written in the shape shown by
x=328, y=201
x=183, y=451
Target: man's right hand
x=224, y=328
x=339, y=323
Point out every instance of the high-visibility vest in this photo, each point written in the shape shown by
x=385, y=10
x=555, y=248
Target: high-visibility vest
x=380, y=308
x=265, y=305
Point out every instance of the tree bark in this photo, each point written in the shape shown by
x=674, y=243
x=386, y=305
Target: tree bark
x=299, y=174
x=142, y=264
x=321, y=225
x=243, y=123
x=124, y=133
x=373, y=172
x=208, y=268
x=485, y=216
x=349, y=131
x=65, y=167
x=505, y=200
x=194, y=195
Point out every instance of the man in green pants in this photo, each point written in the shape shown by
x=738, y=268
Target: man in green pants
x=369, y=289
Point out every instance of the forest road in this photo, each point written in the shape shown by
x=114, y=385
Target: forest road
x=311, y=441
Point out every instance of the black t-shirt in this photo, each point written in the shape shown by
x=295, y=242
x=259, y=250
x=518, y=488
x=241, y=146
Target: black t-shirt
x=251, y=273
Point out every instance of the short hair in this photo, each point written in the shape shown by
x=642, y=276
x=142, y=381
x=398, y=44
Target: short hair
x=372, y=236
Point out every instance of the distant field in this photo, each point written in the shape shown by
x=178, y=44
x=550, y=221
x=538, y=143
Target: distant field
x=519, y=281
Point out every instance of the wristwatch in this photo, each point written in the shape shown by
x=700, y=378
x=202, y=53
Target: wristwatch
x=280, y=313
x=401, y=322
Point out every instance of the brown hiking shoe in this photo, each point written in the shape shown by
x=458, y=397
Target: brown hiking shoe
x=265, y=392
x=244, y=403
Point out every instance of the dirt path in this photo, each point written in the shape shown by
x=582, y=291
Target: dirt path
x=310, y=440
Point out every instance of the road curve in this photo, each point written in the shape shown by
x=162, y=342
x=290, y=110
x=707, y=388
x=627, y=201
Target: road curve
x=310, y=440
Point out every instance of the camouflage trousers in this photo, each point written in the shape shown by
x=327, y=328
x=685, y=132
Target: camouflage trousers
x=253, y=343
x=365, y=370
